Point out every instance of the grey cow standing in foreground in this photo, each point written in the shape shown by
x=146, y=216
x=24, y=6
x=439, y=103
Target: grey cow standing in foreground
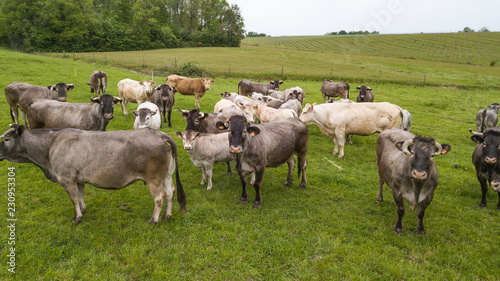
x=109, y=160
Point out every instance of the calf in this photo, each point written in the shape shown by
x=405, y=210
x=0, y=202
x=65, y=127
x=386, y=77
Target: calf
x=332, y=89
x=21, y=95
x=163, y=97
x=266, y=114
x=134, y=91
x=223, y=103
x=487, y=118
x=206, y=149
x=196, y=87
x=485, y=158
x=98, y=82
x=256, y=147
x=110, y=160
x=405, y=163
x=84, y=116
x=247, y=87
x=365, y=94
x=146, y=116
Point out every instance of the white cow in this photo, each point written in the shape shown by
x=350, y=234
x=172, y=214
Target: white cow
x=206, y=149
x=134, y=91
x=147, y=116
x=223, y=103
x=337, y=120
x=266, y=114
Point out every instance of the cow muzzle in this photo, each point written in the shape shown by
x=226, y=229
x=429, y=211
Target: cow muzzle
x=495, y=185
x=108, y=116
x=164, y=98
x=490, y=160
x=61, y=99
x=417, y=175
x=187, y=147
x=236, y=149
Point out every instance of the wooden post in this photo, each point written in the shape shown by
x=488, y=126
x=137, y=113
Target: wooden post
x=282, y=66
x=424, y=78
x=380, y=73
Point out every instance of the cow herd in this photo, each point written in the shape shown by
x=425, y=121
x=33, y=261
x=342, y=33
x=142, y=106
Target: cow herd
x=257, y=127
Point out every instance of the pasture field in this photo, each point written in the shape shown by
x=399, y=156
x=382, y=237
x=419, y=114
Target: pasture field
x=394, y=59
x=331, y=230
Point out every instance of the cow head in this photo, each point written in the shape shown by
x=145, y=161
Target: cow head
x=490, y=141
x=293, y=95
x=145, y=117
x=165, y=91
x=195, y=119
x=276, y=84
x=11, y=146
x=494, y=107
x=189, y=138
x=147, y=87
x=307, y=115
x=62, y=90
x=239, y=130
x=421, y=150
x=206, y=82
x=362, y=91
x=107, y=101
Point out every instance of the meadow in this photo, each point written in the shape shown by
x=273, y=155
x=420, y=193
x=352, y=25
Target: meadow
x=332, y=230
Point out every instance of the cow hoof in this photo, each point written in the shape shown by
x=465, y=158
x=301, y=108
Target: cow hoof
x=398, y=231
x=209, y=188
x=166, y=217
x=257, y=204
x=152, y=221
x=83, y=210
x=379, y=201
x=77, y=220
x=230, y=174
x=303, y=185
x=421, y=232
x=288, y=183
x=242, y=201
x=482, y=206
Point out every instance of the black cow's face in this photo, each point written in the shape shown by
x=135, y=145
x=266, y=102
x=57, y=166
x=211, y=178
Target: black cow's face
x=165, y=91
x=276, y=84
x=490, y=142
x=239, y=131
x=363, y=90
x=10, y=147
x=106, y=102
x=62, y=90
x=422, y=150
x=195, y=120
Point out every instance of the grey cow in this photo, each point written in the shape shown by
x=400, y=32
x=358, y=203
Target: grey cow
x=21, y=95
x=334, y=89
x=405, y=163
x=247, y=87
x=365, y=94
x=487, y=118
x=109, y=160
x=84, y=116
x=98, y=82
x=272, y=144
x=163, y=97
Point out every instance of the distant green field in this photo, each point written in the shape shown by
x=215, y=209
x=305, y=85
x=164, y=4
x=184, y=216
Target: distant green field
x=467, y=60
x=472, y=47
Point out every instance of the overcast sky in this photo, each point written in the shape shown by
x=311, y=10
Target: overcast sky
x=317, y=17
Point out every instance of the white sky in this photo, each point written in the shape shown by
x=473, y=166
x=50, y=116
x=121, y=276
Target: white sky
x=317, y=17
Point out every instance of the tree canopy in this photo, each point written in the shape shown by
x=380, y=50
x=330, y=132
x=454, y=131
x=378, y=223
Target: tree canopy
x=114, y=25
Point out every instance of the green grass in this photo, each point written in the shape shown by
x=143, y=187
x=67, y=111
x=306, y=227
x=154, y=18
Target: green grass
x=331, y=230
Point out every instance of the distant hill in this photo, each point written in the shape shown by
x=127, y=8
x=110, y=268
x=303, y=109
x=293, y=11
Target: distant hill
x=449, y=47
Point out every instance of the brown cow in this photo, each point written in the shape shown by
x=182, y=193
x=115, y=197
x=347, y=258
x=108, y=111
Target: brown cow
x=190, y=86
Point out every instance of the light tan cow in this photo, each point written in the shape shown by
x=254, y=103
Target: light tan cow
x=134, y=91
x=190, y=86
x=337, y=120
x=265, y=113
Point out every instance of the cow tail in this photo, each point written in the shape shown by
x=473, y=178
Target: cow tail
x=181, y=196
x=12, y=115
x=348, y=87
x=483, y=119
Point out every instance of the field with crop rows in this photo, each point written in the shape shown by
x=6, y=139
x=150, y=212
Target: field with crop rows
x=448, y=47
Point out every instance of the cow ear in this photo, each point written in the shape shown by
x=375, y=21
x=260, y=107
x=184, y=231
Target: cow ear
x=197, y=135
x=271, y=83
x=70, y=87
x=178, y=134
x=477, y=139
x=152, y=83
x=446, y=148
x=153, y=112
x=51, y=87
x=135, y=112
x=281, y=82
x=221, y=125
x=253, y=131
x=95, y=99
x=358, y=87
x=117, y=100
x=399, y=145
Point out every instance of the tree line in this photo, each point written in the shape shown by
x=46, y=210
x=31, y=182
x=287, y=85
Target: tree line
x=118, y=25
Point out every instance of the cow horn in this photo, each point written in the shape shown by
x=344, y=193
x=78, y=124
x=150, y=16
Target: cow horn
x=183, y=111
x=202, y=115
x=475, y=133
x=12, y=129
x=439, y=149
x=405, y=147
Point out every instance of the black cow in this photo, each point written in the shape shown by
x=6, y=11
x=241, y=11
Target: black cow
x=485, y=158
x=85, y=116
x=21, y=95
x=405, y=163
x=163, y=97
x=365, y=94
x=98, y=82
x=247, y=87
x=272, y=144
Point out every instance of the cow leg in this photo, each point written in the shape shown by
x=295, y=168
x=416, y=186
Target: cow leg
x=23, y=115
x=498, y=204
x=229, y=171
x=244, y=193
x=197, y=101
x=259, y=175
x=484, y=191
x=420, y=215
x=81, y=191
x=203, y=178
x=252, y=180
x=208, y=170
x=74, y=194
x=14, y=113
x=350, y=138
x=336, y=145
x=169, y=190
x=400, y=207
x=291, y=166
x=158, y=193
x=380, y=196
x=302, y=168
x=169, y=113
x=341, y=143
x=124, y=106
